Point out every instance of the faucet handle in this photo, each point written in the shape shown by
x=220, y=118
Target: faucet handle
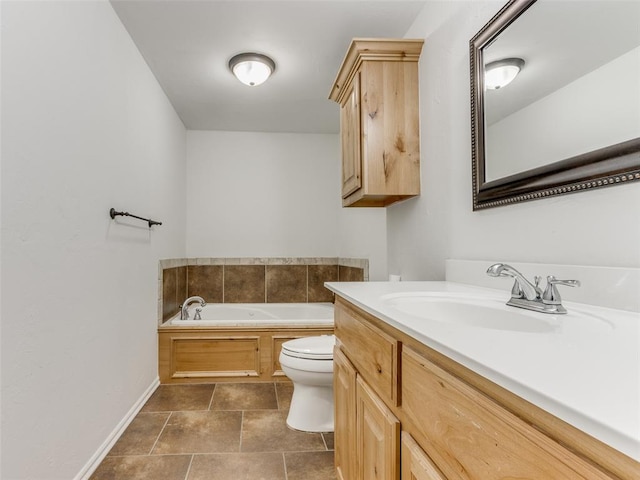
x=551, y=296
x=516, y=290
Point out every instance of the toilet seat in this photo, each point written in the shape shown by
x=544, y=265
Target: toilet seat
x=311, y=348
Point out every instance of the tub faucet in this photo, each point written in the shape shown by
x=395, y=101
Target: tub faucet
x=524, y=294
x=184, y=308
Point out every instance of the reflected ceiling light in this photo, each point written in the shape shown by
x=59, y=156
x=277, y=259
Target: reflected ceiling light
x=252, y=68
x=502, y=72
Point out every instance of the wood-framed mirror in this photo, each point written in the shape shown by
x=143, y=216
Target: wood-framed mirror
x=570, y=121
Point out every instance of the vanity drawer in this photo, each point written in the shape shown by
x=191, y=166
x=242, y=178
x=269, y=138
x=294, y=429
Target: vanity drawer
x=470, y=436
x=372, y=352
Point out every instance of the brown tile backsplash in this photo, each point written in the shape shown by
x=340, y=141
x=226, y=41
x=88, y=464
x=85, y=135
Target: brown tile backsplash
x=244, y=284
x=350, y=274
x=174, y=290
x=169, y=299
x=317, y=275
x=286, y=283
x=206, y=281
x=254, y=280
x=181, y=284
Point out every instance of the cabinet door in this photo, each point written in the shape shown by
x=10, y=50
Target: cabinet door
x=350, y=137
x=378, y=437
x=344, y=392
x=416, y=465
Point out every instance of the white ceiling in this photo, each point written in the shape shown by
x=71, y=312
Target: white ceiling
x=188, y=43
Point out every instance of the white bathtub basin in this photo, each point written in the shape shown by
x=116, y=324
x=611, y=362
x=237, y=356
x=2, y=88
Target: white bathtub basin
x=257, y=314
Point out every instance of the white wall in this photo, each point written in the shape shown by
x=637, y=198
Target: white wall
x=363, y=234
x=85, y=127
x=600, y=227
x=255, y=194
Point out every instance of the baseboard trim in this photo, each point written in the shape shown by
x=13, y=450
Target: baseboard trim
x=99, y=455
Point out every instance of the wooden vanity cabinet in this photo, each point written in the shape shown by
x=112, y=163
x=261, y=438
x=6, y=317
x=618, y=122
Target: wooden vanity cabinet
x=377, y=89
x=421, y=416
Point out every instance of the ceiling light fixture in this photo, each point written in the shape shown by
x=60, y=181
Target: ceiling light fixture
x=252, y=68
x=502, y=72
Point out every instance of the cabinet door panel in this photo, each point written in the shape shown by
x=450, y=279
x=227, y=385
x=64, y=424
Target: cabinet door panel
x=344, y=391
x=350, y=138
x=391, y=132
x=416, y=465
x=378, y=437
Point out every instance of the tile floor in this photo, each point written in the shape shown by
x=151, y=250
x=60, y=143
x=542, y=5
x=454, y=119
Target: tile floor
x=224, y=431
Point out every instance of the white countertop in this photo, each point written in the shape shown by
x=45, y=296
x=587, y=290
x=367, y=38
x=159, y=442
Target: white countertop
x=585, y=373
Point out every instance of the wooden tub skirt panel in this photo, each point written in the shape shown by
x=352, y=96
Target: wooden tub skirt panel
x=215, y=357
x=188, y=355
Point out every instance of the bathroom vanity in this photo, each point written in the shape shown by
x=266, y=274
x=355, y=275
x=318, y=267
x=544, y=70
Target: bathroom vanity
x=424, y=389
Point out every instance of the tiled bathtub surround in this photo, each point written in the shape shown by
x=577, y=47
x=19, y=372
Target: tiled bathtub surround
x=253, y=280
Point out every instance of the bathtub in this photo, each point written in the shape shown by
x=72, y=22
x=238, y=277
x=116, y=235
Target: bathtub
x=258, y=314
x=236, y=342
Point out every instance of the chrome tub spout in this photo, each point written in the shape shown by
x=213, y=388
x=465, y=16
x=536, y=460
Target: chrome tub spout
x=184, y=308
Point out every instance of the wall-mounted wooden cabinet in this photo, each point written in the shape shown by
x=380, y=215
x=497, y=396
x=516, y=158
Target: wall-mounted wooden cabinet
x=377, y=89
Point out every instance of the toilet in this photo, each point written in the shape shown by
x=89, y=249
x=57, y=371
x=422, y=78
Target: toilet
x=308, y=362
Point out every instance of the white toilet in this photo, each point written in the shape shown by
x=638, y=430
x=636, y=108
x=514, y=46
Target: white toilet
x=308, y=362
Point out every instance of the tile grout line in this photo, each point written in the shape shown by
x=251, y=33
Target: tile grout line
x=324, y=441
x=189, y=467
x=284, y=461
x=160, y=434
x=275, y=386
x=241, y=429
x=215, y=385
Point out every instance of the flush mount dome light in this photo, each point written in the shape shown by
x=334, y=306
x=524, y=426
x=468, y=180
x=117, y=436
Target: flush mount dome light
x=502, y=72
x=252, y=68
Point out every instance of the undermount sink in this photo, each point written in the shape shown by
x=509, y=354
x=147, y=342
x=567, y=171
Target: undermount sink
x=482, y=312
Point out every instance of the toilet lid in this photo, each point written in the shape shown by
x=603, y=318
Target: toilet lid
x=315, y=348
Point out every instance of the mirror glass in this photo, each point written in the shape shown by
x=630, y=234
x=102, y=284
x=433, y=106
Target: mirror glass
x=570, y=120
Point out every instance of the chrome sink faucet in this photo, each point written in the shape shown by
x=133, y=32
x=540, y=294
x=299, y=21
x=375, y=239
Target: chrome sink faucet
x=184, y=308
x=524, y=294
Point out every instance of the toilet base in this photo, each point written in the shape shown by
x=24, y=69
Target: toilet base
x=311, y=408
